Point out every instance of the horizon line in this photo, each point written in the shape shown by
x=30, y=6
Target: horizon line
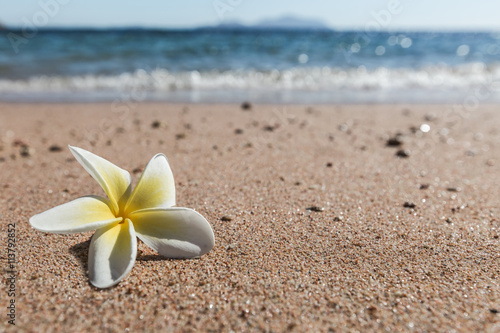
x=256, y=27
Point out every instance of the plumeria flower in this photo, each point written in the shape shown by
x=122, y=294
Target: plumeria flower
x=146, y=212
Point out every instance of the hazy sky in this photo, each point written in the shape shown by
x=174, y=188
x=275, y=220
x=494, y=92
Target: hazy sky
x=340, y=14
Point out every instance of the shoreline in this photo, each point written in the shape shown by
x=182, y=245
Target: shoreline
x=283, y=97
x=320, y=221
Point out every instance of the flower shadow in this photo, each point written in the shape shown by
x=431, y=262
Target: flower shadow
x=151, y=257
x=81, y=252
x=159, y=257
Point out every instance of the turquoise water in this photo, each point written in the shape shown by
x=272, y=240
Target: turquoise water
x=283, y=66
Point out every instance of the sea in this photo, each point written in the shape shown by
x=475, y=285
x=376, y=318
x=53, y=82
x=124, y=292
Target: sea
x=210, y=65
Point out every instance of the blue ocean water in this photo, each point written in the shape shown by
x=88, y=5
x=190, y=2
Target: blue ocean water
x=224, y=65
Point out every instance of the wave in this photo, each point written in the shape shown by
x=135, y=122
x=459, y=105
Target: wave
x=441, y=77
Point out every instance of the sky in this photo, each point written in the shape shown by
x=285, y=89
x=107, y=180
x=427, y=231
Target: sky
x=461, y=15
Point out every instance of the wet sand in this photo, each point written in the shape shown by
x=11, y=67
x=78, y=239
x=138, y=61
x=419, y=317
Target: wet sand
x=326, y=218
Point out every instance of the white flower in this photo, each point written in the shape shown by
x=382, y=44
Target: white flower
x=146, y=212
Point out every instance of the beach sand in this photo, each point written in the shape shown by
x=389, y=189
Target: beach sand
x=319, y=224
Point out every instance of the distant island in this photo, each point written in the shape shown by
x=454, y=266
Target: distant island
x=285, y=23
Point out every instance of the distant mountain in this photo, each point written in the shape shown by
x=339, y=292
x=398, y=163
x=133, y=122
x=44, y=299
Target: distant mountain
x=291, y=22
x=285, y=22
x=231, y=25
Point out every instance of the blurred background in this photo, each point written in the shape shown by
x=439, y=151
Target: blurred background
x=218, y=51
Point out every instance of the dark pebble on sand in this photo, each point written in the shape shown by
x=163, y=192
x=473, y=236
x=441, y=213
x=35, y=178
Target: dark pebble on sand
x=424, y=186
x=329, y=164
x=494, y=311
x=226, y=218
x=180, y=136
x=453, y=189
x=55, y=148
x=409, y=204
x=394, y=142
x=269, y=128
x=403, y=153
x=26, y=151
x=158, y=124
x=315, y=209
x=246, y=105
x=238, y=131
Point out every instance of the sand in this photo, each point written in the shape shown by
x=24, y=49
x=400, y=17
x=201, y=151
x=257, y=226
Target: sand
x=319, y=224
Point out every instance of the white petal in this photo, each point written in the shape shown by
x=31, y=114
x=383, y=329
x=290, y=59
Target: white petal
x=112, y=254
x=155, y=188
x=113, y=180
x=83, y=214
x=174, y=232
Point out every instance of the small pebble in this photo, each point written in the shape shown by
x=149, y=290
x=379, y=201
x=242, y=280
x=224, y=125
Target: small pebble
x=494, y=311
x=394, y=142
x=409, y=204
x=430, y=117
x=226, y=218
x=343, y=127
x=329, y=164
x=315, y=209
x=238, y=131
x=403, y=153
x=246, y=105
x=424, y=186
x=158, y=124
x=55, y=148
x=372, y=310
x=180, y=136
x=26, y=151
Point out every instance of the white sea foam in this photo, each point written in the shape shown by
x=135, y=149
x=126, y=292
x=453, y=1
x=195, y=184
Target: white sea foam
x=432, y=78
